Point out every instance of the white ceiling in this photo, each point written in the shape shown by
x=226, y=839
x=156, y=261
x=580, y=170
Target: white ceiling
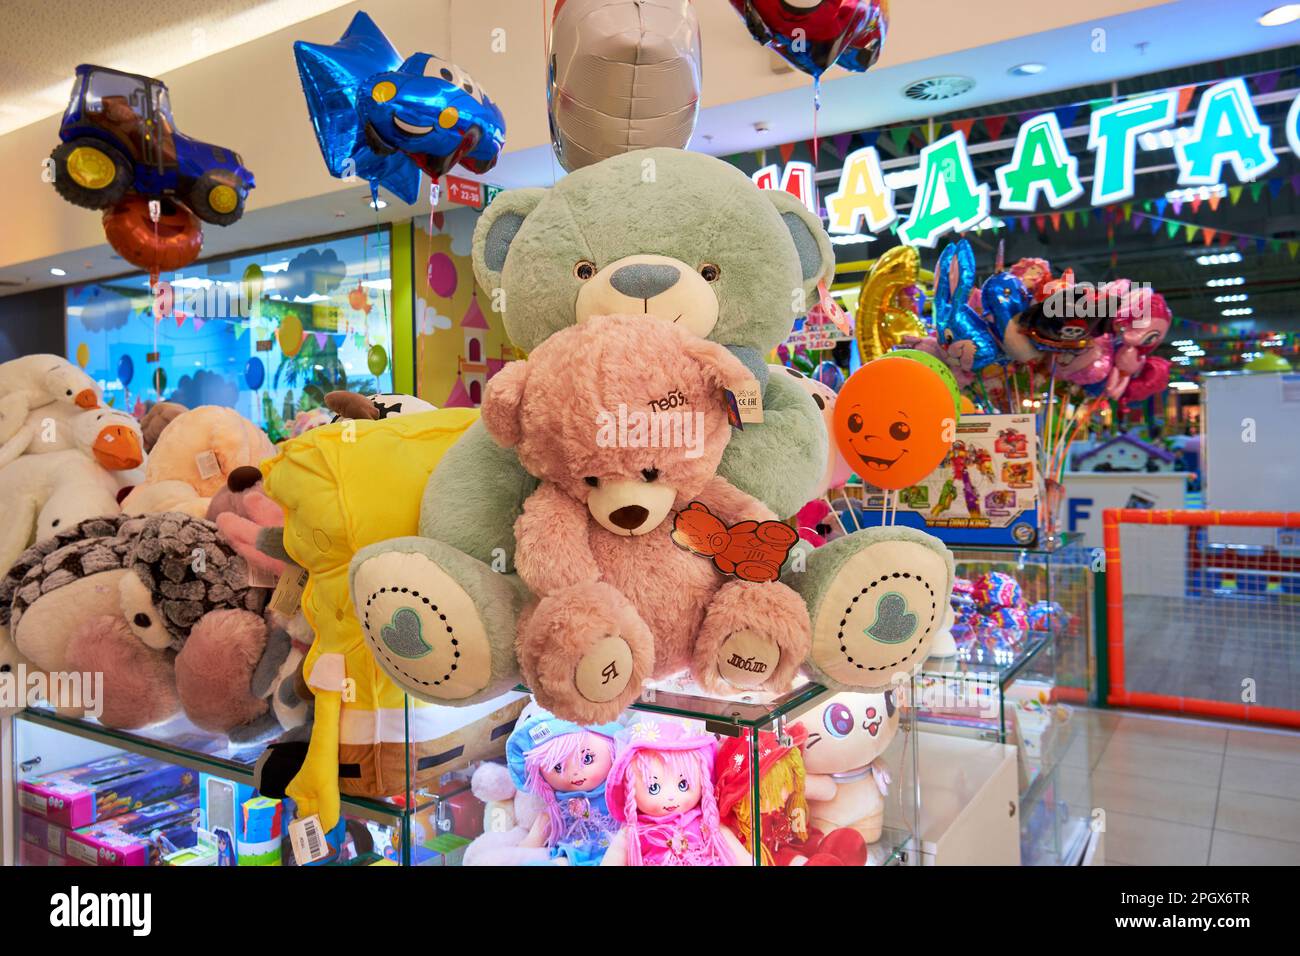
x=45, y=40
x=296, y=199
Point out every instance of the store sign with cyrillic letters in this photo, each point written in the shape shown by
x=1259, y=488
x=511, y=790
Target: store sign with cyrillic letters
x=1226, y=134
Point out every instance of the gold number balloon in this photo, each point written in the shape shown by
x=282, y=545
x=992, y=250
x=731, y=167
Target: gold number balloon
x=886, y=311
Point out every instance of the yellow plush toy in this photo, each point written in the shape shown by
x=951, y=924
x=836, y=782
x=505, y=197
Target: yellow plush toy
x=344, y=486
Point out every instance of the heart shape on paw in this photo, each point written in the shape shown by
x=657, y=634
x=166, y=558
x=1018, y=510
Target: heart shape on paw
x=894, y=622
x=403, y=636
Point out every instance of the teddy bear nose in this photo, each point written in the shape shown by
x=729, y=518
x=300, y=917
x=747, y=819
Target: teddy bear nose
x=644, y=280
x=629, y=517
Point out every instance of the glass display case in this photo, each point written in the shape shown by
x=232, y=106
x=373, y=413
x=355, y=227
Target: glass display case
x=836, y=780
x=1021, y=620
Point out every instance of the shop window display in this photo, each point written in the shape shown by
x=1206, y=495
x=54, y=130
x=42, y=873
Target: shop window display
x=267, y=334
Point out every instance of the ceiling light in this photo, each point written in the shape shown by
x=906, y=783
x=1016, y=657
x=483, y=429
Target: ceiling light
x=1219, y=259
x=1184, y=386
x=1230, y=280
x=1027, y=69
x=1231, y=312
x=56, y=271
x=851, y=240
x=378, y=204
x=1193, y=193
x=1280, y=16
x=1181, y=342
x=1238, y=297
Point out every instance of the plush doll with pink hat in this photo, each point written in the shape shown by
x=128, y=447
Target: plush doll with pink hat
x=625, y=422
x=660, y=790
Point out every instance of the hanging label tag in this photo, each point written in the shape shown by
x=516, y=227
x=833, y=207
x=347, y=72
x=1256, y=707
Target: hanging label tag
x=287, y=596
x=206, y=462
x=259, y=577
x=307, y=838
x=748, y=404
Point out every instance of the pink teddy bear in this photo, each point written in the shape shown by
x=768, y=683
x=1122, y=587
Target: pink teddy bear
x=624, y=421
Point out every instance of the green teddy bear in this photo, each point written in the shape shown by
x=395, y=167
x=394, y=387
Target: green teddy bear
x=682, y=237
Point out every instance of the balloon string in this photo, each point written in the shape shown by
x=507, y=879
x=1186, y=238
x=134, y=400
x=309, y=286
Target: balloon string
x=838, y=519
x=816, y=110
x=849, y=508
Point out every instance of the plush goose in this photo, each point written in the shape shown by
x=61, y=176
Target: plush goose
x=41, y=495
x=35, y=380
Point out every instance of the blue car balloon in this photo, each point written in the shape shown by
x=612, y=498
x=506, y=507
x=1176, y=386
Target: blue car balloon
x=385, y=119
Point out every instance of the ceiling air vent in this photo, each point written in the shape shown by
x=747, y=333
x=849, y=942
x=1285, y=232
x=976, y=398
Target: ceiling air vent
x=935, y=88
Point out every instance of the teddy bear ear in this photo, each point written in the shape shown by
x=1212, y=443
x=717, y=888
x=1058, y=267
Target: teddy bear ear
x=719, y=363
x=496, y=230
x=502, y=402
x=816, y=257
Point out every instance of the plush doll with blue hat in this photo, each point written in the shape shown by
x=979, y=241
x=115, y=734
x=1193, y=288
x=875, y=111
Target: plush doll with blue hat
x=565, y=765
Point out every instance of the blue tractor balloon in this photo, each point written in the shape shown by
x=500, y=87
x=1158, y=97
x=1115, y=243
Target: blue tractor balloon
x=385, y=119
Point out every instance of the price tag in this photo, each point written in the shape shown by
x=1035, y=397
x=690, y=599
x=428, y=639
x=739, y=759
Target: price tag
x=259, y=577
x=206, y=462
x=749, y=403
x=287, y=596
x=307, y=838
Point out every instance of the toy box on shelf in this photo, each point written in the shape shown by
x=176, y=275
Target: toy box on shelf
x=71, y=772
x=834, y=774
x=984, y=493
x=1017, y=614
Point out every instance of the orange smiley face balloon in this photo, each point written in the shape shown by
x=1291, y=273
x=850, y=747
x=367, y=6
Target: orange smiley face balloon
x=894, y=421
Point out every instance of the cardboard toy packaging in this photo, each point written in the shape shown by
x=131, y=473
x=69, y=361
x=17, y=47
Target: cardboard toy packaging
x=138, y=838
x=39, y=832
x=89, y=793
x=242, y=828
x=984, y=493
x=31, y=855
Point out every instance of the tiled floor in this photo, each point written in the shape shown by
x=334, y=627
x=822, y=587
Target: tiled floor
x=1210, y=646
x=1191, y=792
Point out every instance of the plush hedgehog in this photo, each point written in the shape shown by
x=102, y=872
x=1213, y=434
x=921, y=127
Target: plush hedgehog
x=182, y=589
x=68, y=584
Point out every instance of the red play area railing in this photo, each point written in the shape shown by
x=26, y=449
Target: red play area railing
x=1212, y=630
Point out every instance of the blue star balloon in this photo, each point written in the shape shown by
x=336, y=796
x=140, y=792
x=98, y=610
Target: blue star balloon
x=385, y=119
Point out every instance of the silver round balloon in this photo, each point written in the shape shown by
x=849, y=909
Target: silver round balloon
x=623, y=75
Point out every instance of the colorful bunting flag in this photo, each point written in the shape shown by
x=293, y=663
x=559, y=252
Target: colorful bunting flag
x=1255, y=190
x=1185, y=95
x=1208, y=235
x=1234, y=193
x=786, y=150
x=963, y=126
x=900, y=135
x=1267, y=82
x=1190, y=231
x=994, y=125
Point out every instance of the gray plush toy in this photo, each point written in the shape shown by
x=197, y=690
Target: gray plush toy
x=679, y=237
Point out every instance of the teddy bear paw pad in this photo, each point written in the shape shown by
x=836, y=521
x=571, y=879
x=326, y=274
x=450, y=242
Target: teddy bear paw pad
x=604, y=670
x=422, y=627
x=747, y=659
x=880, y=613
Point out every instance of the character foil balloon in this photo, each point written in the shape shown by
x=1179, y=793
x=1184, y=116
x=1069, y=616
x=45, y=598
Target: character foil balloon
x=622, y=75
x=815, y=35
x=385, y=119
